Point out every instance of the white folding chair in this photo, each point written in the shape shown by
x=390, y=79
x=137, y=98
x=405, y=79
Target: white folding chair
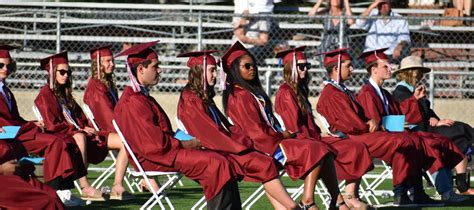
x=38, y=116
x=111, y=169
x=157, y=194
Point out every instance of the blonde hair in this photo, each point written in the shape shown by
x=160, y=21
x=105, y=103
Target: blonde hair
x=408, y=76
x=107, y=79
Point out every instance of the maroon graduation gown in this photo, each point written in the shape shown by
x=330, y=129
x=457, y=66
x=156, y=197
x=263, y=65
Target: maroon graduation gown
x=102, y=104
x=54, y=120
x=353, y=159
x=438, y=148
x=23, y=192
x=398, y=150
x=302, y=154
x=148, y=131
x=62, y=156
x=254, y=166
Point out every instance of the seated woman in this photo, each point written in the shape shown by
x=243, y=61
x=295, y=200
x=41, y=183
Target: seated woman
x=101, y=96
x=63, y=161
x=21, y=188
x=250, y=109
x=292, y=104
x=62, y=114
x=408, y=76
x=198, y=112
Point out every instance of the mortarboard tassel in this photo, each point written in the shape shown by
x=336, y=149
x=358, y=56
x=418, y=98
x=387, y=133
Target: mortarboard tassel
x=204, y=74
x=338, y=68
x=51, y=76
x=294, y=74
x=133, y=81
x=222, y=78
x=98, y=64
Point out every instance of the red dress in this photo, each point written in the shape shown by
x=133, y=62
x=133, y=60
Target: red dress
x=439, y=148
x=199, y=121
x=62, y=156
x=23, y=192
x=148, y=131
x=344, y=114
x=102, y=103
x=55, y=121
x=302, y=155
x=353, y=159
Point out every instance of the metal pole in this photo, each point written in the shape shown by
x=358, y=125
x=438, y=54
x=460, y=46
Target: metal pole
x=431, y=88
x=341, y=29
x=58, y=33
x=199, y=35
x=25, y=28
x=268, y=78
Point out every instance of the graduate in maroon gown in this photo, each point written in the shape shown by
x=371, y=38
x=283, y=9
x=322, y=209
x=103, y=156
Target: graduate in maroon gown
x=63, y=160
x=101, y=96
x=20, y=188
x=408, y=76
x=198, y=112
x=344, y=115
x=250, y=109
x=62, y=114
x=292, y=104
x=378, y=102
x=148, y=130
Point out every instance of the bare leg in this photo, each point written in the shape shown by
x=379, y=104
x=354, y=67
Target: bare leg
x=114, y=142
x=277, y=195
x=310, y=184
x=352, y=194
x=80, y=139
x=330, y=180
x=461, y=167
x=467, y=7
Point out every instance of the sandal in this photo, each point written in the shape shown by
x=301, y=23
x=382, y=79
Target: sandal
x=307, y=206
x=96, y=196
x=362, y=206
x=337, y=205
x=124, y=196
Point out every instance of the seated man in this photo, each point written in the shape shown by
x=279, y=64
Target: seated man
x=346, y=117
x=148, y=131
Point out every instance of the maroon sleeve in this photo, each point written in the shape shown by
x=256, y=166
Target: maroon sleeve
x=53, y=117
x=371, y=103
x=192, y=112
x=244, y=112
x=101, y=106
x=411, y=109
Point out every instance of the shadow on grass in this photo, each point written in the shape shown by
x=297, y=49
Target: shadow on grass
x=462, y=205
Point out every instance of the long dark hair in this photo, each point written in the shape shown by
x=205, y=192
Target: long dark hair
x=64, y=92
x=234, y=78
x=301, y=87
x=195, y=77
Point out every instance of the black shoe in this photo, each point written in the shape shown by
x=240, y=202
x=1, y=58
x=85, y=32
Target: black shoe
x=425, y=200
x=403, y=201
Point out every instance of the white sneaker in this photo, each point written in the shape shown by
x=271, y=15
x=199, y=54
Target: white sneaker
x=68, y=199
x=452, y=197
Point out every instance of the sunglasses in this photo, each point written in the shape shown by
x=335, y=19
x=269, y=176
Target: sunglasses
x=9, y=66
x=303, y=66
x=62, y=72
x=248, y=66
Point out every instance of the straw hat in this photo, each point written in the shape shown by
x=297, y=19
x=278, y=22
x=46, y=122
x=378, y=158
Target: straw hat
x=412, y=62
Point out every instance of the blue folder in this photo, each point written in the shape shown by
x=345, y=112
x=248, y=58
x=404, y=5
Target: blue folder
x=10, y=132
x=31, y=160
x=182, y=136
x=394, y=123
x=280, y=155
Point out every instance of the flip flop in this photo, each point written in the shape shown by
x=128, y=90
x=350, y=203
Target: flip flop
x=97, y=196
x=124, y=196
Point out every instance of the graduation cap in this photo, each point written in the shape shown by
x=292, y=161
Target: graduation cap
x=292, y=55
x=97, y=53
x=201, y=58
x=373, y=55
x=135, y=55
x=5, y=51
x=50, y=62
x=335, y=56
x=234, y=52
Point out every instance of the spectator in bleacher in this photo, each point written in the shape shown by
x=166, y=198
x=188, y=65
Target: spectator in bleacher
x=330, y=40
x=464, y=6
x=254, y=31
x=62, y=114
x=198, y=111
x=148, y=131
x=20, y=187
x=409, y=75
x=101, y=95
x=386, y=31
x=63, y=160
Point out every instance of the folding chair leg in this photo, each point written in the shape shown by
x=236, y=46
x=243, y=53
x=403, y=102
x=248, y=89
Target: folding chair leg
x=250, y=198
x=78, y=187
x=203, y=199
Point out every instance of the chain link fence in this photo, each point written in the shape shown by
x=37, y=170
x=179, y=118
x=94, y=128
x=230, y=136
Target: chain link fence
x=43, y=30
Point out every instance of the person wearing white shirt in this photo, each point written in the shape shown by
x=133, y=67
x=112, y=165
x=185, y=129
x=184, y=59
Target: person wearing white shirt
x=391, y=33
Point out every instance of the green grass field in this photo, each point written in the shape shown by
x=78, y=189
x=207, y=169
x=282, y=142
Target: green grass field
x=184, y=197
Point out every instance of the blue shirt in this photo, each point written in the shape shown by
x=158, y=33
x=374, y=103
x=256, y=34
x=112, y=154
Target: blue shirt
x=7, y=98
x=384, y=32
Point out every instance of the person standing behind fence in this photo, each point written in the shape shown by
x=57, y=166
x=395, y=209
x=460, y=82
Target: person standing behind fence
x=63, y=160
x=331, y=26
x=386, y=31
x=254, y=32
x=408, y=76
x=101, y=96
